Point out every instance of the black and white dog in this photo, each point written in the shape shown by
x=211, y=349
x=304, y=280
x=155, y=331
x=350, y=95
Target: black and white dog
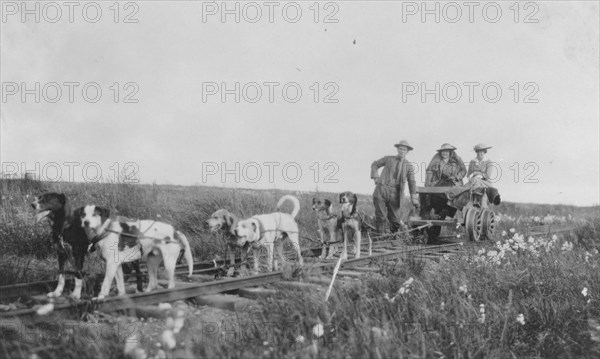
x=121, y=240
x=69, y=238
x=352, y=224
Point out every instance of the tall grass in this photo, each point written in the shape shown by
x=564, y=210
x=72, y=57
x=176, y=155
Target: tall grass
x=437, y=314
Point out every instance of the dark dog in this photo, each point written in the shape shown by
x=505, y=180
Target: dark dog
x=352, y=224
x=69, y=238
x=328, y=222
x=225, y=222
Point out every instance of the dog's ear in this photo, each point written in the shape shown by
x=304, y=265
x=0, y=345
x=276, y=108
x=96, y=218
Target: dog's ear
x=103, y=212
x=229, y=219
x=62, y=198
x=342, y=196
x=77, y=213
x=314, y=200
x=327, y=203
x=355, y=203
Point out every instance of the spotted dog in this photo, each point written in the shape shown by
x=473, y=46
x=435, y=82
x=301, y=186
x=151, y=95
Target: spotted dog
x=352, y=224
x=329, y=222
x=225, y=222
x=122, y=240
x=270, y=230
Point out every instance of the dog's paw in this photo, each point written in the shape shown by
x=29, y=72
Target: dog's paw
x=75, y=296
x=54, y=294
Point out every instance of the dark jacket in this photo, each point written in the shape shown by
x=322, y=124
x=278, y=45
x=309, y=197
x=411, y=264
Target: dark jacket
x=445, y=174
x=391, y=177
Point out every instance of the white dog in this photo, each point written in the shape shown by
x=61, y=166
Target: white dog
x=122, y=240
x=269, y=230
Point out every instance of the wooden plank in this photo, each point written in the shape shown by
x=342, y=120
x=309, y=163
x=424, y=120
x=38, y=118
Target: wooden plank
x=433, y=190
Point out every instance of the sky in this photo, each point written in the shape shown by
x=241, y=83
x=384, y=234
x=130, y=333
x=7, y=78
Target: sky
x=321, y=92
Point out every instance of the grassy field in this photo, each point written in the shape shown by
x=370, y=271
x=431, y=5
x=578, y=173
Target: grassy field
x=517, y=298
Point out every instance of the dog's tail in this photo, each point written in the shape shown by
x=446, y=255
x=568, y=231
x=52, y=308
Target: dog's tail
x=294, y=201
x=187, y=251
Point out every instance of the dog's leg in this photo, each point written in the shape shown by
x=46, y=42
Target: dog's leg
x=333, y=247
x=170, y=261
x=153, y=263
x=324, y=244
x=278, y=264
x=231, y=250
x=138, y=275
x=294, y=238
x=270, y=254
x=370, y=243
x=344, y=255
x=62, y=257
x=111, y=270
x=255, y=258
x=357, y=241
x=80, y=253
x=120, y=278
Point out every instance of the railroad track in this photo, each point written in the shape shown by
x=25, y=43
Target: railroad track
x=383, y=251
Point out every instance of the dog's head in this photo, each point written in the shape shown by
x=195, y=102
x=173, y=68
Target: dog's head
x=221, y=219
x=92, y=218
x=321, y=204
x=247, y=231
x=49, y=205
x=349, y=202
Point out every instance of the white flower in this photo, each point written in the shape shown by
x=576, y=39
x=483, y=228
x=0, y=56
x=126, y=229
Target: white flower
x=584, y=292
x=318, y=330
x=168, y=338
x=512, y=230
x=463, y=288
x=521, y=319
x=408, y=282
x=554, y=237
x=503, y=233
x=300, y=339
x=45, y=309
x=443, y=306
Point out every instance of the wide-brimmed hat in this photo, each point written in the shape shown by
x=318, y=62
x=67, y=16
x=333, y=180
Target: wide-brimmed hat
x=446, y=147
x=405, y=144
x=480, y=147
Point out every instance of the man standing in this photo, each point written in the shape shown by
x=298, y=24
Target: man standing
x=389, y=187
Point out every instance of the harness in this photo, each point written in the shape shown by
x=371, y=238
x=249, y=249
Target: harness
x=106, y=231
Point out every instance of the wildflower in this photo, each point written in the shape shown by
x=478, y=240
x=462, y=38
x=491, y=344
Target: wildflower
x=45, y=309
x=443, y=306
x=521, y=319
x=584, y=292
x=512, y=230
x=168, y=338
x=463, y=288
x=567, y=246
x=481, y=313
x=318, y=330
x=503, y=233
x=300, y=339
x=554, y=237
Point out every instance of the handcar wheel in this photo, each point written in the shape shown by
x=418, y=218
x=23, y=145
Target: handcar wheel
x=473, y=223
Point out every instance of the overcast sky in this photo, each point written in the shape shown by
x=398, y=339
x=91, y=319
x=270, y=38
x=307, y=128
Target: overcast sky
x=371, y=67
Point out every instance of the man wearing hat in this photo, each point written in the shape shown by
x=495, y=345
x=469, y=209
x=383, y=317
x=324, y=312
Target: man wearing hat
x=389, y=187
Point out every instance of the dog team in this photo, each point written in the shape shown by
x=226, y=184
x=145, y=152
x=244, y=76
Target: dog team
x=120, y=240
